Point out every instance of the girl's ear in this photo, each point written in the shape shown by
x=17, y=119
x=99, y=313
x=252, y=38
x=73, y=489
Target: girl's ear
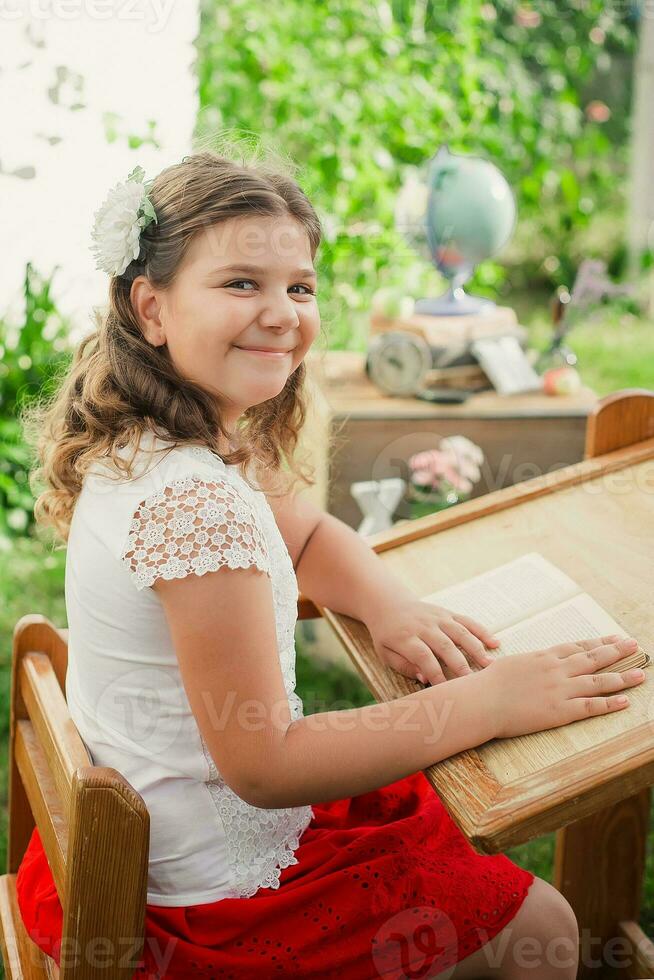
x=147, y=309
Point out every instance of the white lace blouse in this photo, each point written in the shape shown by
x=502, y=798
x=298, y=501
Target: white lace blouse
x=185, y=511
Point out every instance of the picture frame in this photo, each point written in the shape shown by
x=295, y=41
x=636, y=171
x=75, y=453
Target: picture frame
x=506, y=365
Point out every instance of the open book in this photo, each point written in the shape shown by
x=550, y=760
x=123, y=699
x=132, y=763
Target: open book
x=530, y=604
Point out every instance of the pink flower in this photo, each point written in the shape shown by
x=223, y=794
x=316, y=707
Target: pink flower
x=422, y=477
x=456, y=462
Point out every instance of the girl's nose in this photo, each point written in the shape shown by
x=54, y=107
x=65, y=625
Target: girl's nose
x=279, y=321
x=280, y=313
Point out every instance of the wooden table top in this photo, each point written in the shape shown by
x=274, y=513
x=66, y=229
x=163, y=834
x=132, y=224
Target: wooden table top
x=595, y=521
x=342, y=381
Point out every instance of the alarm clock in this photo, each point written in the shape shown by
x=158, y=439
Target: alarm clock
x=398, y=361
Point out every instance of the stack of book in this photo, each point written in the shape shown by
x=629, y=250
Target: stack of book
x=451, y=336
x=466, y=377
x=455, y=366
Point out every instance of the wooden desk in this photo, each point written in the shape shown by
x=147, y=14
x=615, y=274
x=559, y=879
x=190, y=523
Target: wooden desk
x=588, y=781
x=356, y=433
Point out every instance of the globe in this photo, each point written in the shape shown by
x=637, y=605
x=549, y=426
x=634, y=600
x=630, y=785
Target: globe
x=469, y=214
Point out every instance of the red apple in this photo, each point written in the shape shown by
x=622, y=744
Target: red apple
x=561, y=381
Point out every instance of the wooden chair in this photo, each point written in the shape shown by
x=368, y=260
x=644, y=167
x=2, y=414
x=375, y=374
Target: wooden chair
x=95, y=826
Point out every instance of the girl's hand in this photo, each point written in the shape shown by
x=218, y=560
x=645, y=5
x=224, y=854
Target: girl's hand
x=412, y=636
x=542, y=689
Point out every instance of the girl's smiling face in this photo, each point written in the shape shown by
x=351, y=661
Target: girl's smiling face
x=244, y=283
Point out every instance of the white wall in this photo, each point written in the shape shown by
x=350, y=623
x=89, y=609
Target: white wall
x=130, y=59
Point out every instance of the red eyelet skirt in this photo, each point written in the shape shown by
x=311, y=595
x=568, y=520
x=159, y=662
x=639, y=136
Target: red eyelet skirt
x=385, y=886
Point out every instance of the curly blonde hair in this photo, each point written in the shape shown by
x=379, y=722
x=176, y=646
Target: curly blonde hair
x=118, y=385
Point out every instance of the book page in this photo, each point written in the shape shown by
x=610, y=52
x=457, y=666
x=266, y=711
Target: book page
x=509, y=593
x=579, y=618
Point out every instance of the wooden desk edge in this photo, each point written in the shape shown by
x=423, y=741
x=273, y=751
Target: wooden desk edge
x=487, y=828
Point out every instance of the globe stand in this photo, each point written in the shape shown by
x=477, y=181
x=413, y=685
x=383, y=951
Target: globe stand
x=455, y=302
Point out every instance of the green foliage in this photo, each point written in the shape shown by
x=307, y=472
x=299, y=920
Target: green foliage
x=31, y=356
x=356, y=93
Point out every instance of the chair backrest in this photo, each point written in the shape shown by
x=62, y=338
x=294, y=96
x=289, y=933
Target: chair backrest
x=94, y=826
x=619, y=420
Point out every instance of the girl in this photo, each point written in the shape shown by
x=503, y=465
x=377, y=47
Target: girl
x=280, y=844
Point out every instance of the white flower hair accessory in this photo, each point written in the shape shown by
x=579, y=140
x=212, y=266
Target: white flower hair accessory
x=118, y=223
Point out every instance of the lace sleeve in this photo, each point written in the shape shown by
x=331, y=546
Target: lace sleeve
x=193, y=525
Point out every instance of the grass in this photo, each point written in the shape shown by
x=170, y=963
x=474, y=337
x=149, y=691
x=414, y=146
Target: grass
x=615, y=350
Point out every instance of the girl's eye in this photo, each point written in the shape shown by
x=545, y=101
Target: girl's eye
x=309, y=292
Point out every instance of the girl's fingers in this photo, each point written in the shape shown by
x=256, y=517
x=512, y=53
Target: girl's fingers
x=573, y=647
x=426, y=661
x=469, y=643
x=416, y=652
x=441, y=645
x=402, y=665
x=591, y=659
x=461, y=639
x=480, y=631
x=591, y=685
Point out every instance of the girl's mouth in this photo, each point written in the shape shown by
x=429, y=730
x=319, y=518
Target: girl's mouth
x=265, y=353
